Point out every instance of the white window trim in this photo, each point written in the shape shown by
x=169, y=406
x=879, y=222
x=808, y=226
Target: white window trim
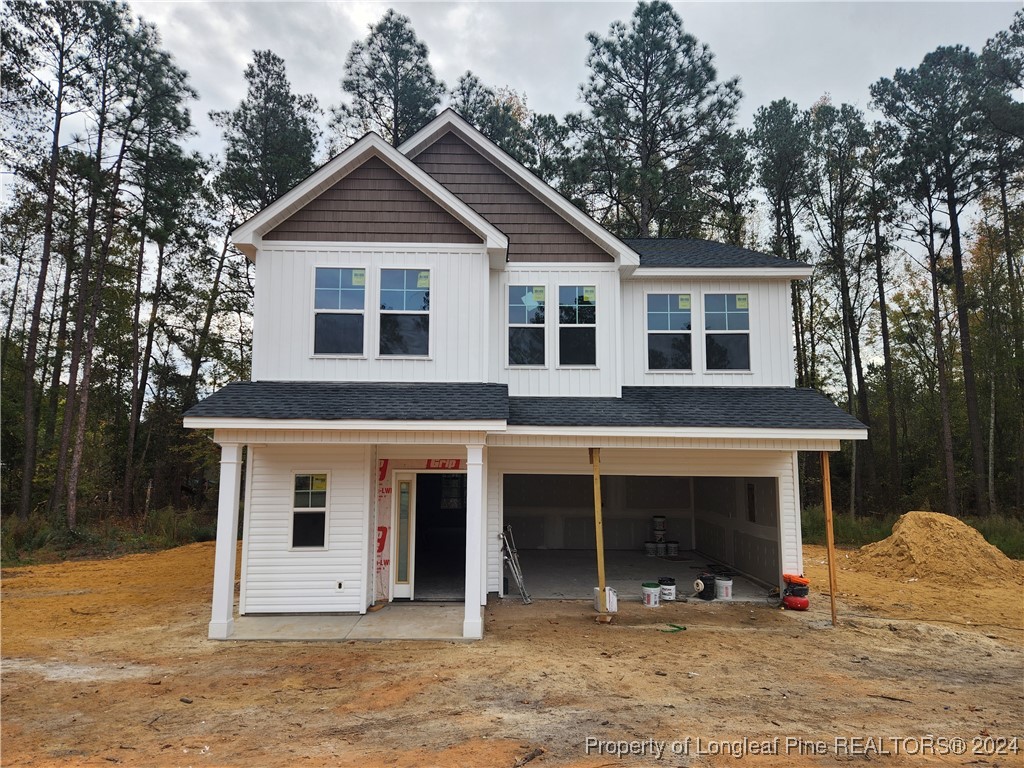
x=380, y=313
x=694, y=301
x=312, y=318
x=749, y=371
x=559, y=365
x=293, y=509
x=508, y=326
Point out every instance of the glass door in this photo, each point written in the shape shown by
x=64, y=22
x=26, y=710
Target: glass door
x=404, y=536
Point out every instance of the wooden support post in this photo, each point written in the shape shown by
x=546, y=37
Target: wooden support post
x=830, y=542
x=602, y=596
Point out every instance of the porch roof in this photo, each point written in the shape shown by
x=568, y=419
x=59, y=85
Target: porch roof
x=755, y=408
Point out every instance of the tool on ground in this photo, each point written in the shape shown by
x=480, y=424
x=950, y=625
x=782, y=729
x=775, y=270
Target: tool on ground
x=511, y=555
x=675, y=628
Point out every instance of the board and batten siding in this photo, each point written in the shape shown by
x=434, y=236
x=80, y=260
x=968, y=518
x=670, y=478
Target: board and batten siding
x=373, y=203
x=781, y=465
x=279, y=579
x=771, y=333
x=535, y=232
x=283, y=317
x=602, y=380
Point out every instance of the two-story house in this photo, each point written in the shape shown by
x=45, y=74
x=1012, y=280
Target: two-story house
x=439, y=338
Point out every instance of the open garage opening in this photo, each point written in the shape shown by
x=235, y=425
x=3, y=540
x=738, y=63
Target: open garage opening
x=725, y=524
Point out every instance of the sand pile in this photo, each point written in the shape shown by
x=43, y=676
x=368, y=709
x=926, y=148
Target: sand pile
x=936, y=547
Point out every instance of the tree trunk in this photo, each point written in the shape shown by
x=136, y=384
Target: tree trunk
x=50, y=422
x=211, y=309
x=966, y=351
x=31, y=348
x=940, y=364
x=14, y=302
x=895, y=464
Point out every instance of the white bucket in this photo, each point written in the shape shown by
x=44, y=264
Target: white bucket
x=672, y=548
x=660, y=548
x=723, y=588
x=650, y=548
x=611, y=599
x=658, y=522
x=651, y=594
x=668, y=592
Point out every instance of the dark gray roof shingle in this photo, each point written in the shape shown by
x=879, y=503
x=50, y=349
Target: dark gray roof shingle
x=744, y=407
x=682, y=253
x=355, y=400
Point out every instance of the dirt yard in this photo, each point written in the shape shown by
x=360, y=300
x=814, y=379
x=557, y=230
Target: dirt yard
x=106, y=662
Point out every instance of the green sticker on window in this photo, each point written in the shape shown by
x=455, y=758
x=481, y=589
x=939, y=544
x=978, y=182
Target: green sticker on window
x=590, y=294
x=684, y=301
x=741, y=301
x=319, y=482
x=358, y=277
x=423, y=280
x=538, y=293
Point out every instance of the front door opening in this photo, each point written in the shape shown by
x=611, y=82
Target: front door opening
x=440, y=562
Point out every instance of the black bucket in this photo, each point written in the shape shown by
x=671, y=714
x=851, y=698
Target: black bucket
x=708, y=593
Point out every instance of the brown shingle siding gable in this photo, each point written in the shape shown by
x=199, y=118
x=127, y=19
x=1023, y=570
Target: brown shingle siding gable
x=373, y=203
x=535, y=232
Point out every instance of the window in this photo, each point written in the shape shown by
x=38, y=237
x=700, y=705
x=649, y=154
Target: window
x=577, y=325
x=405, y=312
x=727, y=331
x=338, y=311
x=309, y=511
x=668, y=332
x=526, y=325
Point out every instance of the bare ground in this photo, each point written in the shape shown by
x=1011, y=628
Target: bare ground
x=106, y=662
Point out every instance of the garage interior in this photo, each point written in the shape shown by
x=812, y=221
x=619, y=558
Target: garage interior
x=727, y=525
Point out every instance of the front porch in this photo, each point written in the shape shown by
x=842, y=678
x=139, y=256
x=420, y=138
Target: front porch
x=396, y=621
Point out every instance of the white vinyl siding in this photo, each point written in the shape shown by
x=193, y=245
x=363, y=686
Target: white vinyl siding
x=284, y=314
x=771, y=333
x=278, y=578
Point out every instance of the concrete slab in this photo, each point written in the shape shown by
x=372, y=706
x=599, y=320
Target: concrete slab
x=572, y=574
x=411, y=621
x=334, y=627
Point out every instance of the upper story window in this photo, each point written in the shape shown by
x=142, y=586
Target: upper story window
x=727, y=331
x=309, y=511
x=577, y=325
x=526, y=324
x=668, y=332
x=339, y=306
x=405, y=312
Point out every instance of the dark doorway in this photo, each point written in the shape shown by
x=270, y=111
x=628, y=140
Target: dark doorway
x=440, y=537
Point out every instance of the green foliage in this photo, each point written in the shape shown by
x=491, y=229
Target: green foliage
x=390, y=81
x=270, y=137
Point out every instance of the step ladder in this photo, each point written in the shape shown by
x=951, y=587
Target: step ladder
x=511, y=556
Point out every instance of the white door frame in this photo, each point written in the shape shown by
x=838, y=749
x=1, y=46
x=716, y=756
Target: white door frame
x=407, y=590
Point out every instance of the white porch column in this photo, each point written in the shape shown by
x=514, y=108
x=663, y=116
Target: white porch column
x=472, y=625
x=483, y=531
x=222, y=619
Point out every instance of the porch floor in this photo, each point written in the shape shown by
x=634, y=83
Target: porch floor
x=397, y=621
x=571, y=574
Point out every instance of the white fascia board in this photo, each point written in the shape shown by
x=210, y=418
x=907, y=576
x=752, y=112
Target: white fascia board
x=347, y=425
x=758, y=273
x=625, y=256
x=247, y=236
x=733, y=433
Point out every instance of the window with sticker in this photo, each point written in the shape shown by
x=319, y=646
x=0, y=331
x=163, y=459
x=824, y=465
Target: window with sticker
x=405, y=312
x=668, y=332
x=526, y=324
x=339, y=305
x=727, y=331
x=577, y=325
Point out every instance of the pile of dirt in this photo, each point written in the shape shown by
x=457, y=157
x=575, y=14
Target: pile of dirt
x=938, y=548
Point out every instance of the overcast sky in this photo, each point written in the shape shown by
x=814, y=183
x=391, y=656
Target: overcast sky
x=796, y=50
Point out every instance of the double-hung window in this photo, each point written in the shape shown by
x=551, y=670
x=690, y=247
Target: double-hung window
x=577, y=325
x=339, y=305
x=526, y=324
x=405, y=312
x=668, y=332
x=727, y=331
x=309, y=511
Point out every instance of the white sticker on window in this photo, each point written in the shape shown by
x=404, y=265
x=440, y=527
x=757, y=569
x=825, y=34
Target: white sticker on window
x=741, y=301
x=423, y=280
x=358, y=277
x=684, y=301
